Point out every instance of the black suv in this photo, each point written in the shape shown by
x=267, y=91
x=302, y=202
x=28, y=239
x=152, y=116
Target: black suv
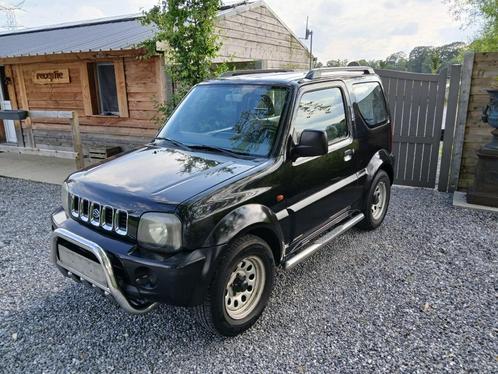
x=252, y=171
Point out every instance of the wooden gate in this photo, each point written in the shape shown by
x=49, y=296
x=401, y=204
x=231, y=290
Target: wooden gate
x=417, y=104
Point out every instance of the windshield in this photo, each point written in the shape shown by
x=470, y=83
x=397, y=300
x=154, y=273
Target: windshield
x=238, y=118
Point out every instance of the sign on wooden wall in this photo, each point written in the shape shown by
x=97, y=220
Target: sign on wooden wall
x=51, y=76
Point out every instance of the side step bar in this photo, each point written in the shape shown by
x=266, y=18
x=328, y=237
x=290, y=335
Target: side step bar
x=321, y=241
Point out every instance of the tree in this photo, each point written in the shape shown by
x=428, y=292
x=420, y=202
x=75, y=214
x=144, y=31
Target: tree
x=435, y=59
x=422, y=59
x=451, y=53
x=471, y=12
x=337, y=63
x=186, y=30
x=419, y=60
x=395, y=61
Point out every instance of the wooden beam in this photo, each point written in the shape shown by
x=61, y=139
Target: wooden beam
x=85, y=89
x=162, y=79
x=71, y=57
x=119, y=72
x=45, y=114
x=463, y=104
x=9, y=72
x=38, y=151
x=23, y=101
x=78, y=148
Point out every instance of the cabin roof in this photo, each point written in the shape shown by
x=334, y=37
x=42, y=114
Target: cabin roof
x=104, y=34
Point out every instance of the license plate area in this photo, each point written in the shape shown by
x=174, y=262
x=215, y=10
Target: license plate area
x=81, y=266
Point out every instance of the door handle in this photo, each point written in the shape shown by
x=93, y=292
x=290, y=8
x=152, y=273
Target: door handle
x=348, y=154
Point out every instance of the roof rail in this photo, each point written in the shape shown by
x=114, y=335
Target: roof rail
x=235, y=73
x=317, y=73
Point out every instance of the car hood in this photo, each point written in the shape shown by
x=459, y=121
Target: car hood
x=155, y=174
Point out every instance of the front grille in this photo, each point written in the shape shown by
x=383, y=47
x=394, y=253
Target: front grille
x=95, y=214
x=108, y=218
x=121, y=222
x=84, y=210
x=75, y=206
x=99, y=215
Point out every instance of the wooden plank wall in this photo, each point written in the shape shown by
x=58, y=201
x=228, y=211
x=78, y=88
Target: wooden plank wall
x=256, y=34
x=477, y=133
x=251, y=34
x=143, y=92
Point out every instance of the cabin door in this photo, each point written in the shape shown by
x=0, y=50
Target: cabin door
x=10, y=130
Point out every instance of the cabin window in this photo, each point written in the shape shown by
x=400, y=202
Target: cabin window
x=105, y=89
x=104, y=92
x=107, y=92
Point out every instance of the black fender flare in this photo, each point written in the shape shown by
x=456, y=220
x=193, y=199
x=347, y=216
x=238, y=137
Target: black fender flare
x=244, y=219
x=382, y=159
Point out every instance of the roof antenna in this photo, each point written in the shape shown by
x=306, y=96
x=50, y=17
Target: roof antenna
x=309, y=35
x=10, y=13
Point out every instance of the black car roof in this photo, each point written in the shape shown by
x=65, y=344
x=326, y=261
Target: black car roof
x=298, y=77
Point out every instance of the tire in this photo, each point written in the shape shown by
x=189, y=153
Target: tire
x=375, y=213
x=234, y=302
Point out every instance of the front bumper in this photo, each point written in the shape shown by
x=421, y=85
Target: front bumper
x=181, y=279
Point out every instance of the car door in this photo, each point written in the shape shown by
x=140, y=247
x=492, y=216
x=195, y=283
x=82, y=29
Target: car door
x=320, y=188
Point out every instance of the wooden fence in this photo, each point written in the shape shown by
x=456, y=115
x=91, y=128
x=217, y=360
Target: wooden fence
x=72, y=118
x=417, y=104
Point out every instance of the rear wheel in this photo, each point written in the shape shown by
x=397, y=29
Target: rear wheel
x=377, y=201
x=240, y=288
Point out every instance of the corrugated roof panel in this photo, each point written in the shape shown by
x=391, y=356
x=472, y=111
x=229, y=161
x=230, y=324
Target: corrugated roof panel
x=107, y=36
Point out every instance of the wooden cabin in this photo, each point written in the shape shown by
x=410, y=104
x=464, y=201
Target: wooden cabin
x=95, y=69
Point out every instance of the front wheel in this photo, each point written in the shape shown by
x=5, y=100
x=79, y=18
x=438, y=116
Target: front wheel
x=240, y=288
x=377, y=201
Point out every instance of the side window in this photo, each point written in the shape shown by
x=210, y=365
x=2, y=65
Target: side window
x=322, y=110
x=371, y=102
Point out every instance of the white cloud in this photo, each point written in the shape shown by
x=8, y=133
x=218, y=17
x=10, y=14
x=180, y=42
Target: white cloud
x=359, y=29
x=85, y=12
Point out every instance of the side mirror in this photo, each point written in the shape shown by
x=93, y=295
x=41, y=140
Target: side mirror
x=312, y=143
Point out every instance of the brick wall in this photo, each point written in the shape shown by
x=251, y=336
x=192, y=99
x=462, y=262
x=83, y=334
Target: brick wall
x=477, y=133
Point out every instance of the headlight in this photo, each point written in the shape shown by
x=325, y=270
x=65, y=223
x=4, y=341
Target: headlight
x=160, y=232
x=65, y=198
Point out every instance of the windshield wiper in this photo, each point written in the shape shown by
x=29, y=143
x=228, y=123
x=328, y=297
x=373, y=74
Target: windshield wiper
x=175, y=142
x=219, y=150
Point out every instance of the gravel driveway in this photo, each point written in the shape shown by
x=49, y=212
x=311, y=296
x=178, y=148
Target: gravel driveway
x=418, y=294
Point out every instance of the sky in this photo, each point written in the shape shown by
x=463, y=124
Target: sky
x=351, y=29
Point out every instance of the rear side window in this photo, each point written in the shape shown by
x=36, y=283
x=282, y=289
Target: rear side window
x=322, y=110
x=371, y=102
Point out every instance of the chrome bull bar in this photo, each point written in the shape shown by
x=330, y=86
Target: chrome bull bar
x=111, y=288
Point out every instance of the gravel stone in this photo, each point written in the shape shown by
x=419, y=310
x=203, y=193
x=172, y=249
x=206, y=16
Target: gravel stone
x=419, y=294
